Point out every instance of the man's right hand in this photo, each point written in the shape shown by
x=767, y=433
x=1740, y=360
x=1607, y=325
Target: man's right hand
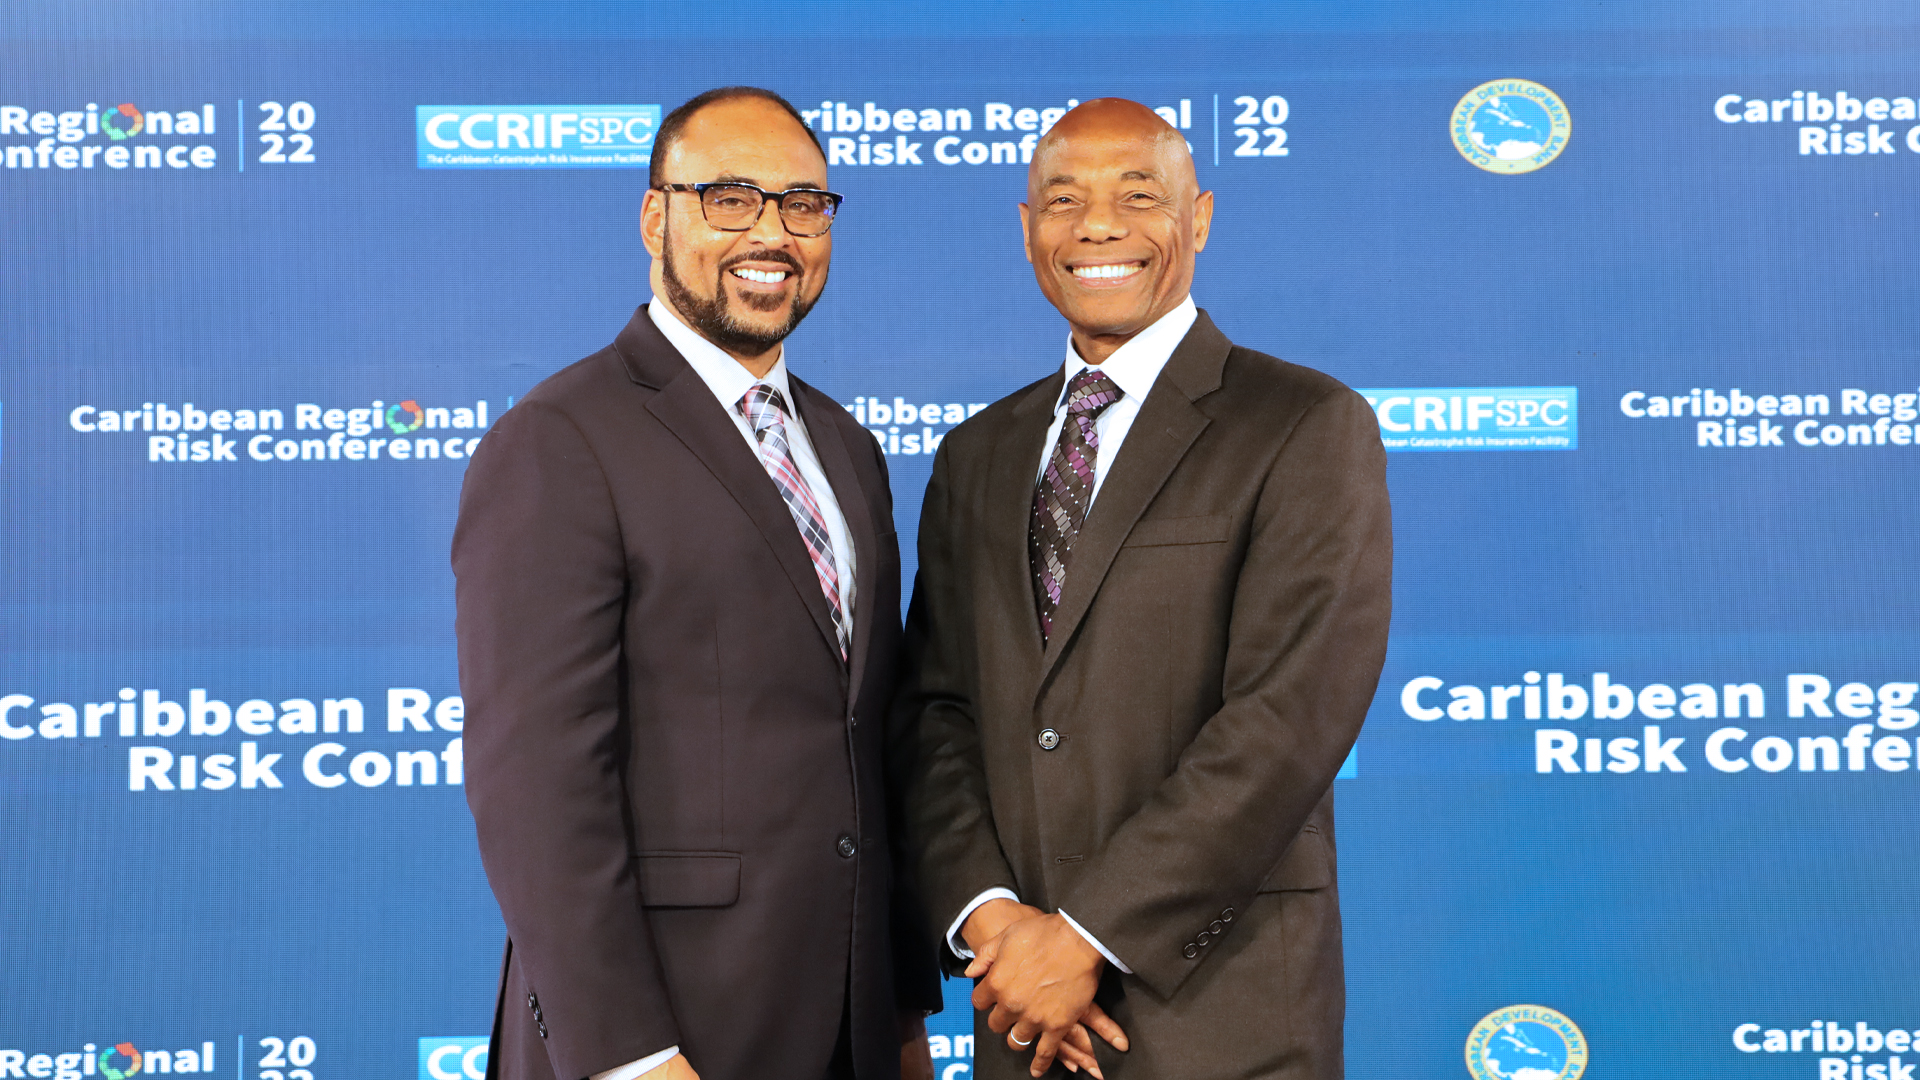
x=992, y=918
x=676, y=1068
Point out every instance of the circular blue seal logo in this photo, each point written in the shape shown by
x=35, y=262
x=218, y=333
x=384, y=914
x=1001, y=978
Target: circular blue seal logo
x=1511, y=126
x=1526, y=1042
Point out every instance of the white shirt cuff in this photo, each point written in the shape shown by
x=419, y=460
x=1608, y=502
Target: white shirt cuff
x=1095, y=942
x=953, y=932
x=634, y=1069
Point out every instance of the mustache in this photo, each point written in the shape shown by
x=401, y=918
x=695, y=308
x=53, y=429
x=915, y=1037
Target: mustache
x=780, y=257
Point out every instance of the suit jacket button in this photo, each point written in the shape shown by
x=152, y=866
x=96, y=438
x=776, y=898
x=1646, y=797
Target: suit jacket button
x=1203, y=938
x=1049, y=738
x=532, y=1002
x=1226, y=915
x=1216, y=926
x=543, y=1030
x=1190, y=951
x=846, y=847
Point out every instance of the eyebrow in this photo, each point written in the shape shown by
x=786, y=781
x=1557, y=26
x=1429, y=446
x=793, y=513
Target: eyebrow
x=736, y=178
x=1130, y=174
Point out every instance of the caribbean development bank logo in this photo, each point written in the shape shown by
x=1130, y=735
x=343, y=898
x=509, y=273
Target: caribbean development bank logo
x=535, y=136
x=1511, y=126
x=1526, y=1042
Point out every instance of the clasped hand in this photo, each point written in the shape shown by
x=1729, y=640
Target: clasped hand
x=1037, y=975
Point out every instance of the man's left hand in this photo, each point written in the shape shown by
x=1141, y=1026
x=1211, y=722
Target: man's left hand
x=1039, y=978
x=916, y=1057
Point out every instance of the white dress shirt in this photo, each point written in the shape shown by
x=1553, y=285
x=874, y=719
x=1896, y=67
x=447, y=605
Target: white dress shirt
x=1133, y=367
x=729, y=383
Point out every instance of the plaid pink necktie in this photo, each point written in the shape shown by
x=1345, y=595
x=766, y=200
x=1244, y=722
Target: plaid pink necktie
x=1065, y=491
x=766, y=413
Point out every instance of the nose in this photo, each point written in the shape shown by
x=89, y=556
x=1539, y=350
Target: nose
x=1101, y=220
x=769, y=228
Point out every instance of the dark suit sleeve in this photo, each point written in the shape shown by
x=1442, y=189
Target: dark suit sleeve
x=916, y=976
x=949, y=817
x=541, y=583
x=1305, y=644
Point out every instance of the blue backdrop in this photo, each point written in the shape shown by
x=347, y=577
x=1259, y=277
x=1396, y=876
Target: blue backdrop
x=1631, y=285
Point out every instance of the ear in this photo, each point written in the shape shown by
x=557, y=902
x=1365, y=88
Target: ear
x=1026, y=243
x=653, y=222
x=1202, y=220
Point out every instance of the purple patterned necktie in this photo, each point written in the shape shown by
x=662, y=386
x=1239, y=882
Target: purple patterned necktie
x=766, y=413
x=1065, y=491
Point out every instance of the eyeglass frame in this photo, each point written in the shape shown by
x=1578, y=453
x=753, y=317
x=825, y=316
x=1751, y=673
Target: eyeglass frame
x=778, y=198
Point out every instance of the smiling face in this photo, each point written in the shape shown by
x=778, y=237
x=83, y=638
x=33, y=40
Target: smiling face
x=1114, y=216
x=743, y=291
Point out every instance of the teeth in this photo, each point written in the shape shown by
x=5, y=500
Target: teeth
x=764, y=277
x=1111, y=270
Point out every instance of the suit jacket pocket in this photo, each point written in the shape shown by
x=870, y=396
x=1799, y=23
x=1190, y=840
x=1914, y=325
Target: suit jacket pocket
x=688, y=878
x=1307, y=864
x=1165, y=532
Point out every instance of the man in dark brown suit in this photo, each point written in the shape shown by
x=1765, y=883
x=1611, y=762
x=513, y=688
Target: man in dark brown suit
x=678, y=588
x=1150, y=616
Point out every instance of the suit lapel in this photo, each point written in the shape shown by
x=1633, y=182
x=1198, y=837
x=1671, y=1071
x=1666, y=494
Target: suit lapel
x=837, y=463
x=1160, y=436
x=1009, y=513
x=686, y=407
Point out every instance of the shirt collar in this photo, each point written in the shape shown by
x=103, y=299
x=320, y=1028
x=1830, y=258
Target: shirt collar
x=724, y=375
x=1133, y=367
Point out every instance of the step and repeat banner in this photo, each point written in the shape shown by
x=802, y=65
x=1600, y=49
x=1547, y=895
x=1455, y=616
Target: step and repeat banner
x=1631, y=288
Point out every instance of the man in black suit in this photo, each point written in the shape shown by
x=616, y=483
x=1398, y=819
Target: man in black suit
x=678, y=588
x=1150, y=616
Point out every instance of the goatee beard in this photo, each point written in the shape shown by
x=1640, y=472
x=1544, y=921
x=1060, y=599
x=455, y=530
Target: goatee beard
x=714, y=317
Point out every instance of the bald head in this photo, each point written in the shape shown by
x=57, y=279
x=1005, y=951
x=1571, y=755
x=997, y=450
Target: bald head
x=1119, y=123
x=1114, y=217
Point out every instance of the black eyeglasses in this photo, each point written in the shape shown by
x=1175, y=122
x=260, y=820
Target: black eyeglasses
x=735, y=207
